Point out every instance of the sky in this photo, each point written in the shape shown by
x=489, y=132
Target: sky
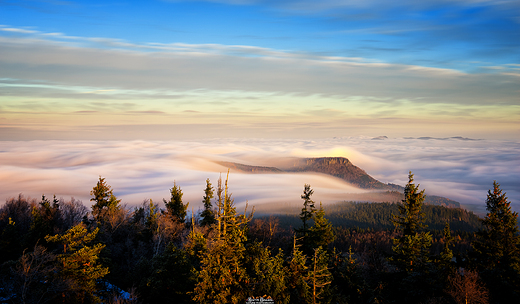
x=147, y=92
x=164, y=70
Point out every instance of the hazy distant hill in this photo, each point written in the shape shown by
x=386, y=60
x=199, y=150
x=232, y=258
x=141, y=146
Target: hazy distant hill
x=342, y=168
x=441, y=201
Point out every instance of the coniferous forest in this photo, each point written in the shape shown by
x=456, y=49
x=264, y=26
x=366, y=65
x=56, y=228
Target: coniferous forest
x=57, y=251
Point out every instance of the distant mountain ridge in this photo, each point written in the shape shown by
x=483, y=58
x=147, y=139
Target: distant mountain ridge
x=339, y=167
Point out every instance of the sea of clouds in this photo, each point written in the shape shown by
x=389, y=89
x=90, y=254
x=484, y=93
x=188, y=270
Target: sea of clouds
x=461, y=169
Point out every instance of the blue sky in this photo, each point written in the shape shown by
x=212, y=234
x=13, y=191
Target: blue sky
x=463, y=35
x=75, y=69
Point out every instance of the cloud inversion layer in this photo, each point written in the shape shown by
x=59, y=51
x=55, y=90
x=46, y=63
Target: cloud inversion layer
x=459, y=169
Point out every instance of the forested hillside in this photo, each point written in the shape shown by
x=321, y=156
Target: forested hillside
x=57, y=251
x=379, y=216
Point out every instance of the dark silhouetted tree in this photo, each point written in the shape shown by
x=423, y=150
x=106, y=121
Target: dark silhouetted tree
x=348, y=278
x=174, y=206
x=72, y=212
x=15, y=223
x=307, y=213
x=308, y=209
x=208, y=215
x=497, y=247
x=34, y=278
x=170, y=278
x=443, y=262
x=45, y=220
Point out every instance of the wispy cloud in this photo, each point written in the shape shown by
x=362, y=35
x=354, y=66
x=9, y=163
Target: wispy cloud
x=246, y=68
x=240, y=87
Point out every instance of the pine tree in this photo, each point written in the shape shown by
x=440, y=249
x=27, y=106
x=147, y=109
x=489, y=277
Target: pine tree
x=208, y=216
x=412, y=247
x=175, y=207
x=497, y=246
x=79, y=263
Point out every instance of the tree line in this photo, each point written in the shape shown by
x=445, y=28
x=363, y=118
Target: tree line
x=57, y=251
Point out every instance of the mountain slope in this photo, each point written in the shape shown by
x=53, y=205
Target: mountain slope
x=248, y=168
x=342, y=168
x=339, y=167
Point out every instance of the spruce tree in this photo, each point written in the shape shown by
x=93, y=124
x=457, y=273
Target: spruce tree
x=308, y=209
x=208, y=216
x=321, y=232
x=411, y=249
x=349, y=278
x=174, y=206
x=152, y=217
x=268, y=275
x=106, y=202
x=446, y=255
x=443, y=268
x=171, y=278
x=497, y=247
x=223, y=277
x=298, y=274
x=45, y=220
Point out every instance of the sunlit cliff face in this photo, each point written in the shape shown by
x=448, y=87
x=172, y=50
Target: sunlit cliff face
x=460, y=169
